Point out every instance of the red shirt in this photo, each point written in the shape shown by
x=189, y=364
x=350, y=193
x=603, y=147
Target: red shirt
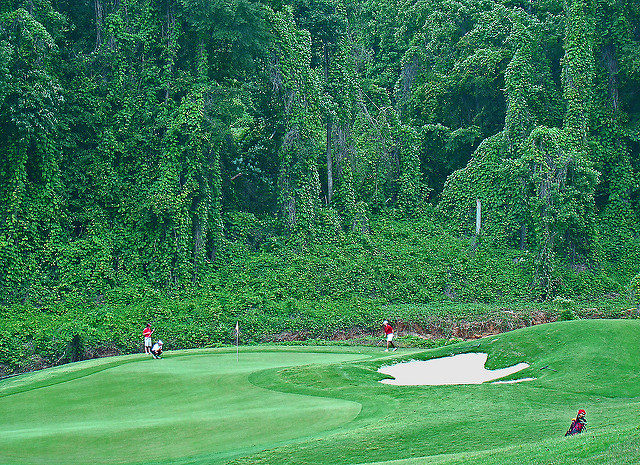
x=146, y=332
x=388, y=329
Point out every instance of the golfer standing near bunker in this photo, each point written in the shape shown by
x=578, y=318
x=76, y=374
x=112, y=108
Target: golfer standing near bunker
x=388, y=331
x=146, y=333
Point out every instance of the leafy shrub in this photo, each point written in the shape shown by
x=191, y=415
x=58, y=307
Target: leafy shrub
x=566, y=315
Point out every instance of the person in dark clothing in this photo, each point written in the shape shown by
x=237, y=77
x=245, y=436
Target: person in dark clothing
x=578, y=425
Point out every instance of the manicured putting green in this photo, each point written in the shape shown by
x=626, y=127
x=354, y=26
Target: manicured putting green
x=145, y=410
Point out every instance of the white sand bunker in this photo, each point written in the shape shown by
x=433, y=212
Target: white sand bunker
x=458, y=369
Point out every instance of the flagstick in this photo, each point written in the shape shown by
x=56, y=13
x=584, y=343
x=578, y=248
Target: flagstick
x=237, y=335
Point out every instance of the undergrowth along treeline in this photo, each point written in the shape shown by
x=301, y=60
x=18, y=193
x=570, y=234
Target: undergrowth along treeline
x=429, y=283
x=408, y=261
x=33, y=338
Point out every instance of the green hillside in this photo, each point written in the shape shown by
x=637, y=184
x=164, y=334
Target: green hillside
x=325, y=405
x=196, y=163
x=163, y=144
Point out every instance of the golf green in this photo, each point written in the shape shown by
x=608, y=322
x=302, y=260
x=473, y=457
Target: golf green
x=325, y=405
x=144, y=409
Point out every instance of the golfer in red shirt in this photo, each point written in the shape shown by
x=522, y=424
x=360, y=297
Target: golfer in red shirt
x=146, y=333
x=388, y=331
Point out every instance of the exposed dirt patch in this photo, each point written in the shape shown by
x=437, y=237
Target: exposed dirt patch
x=437, y=328
x=102, y=351
x=469, y=329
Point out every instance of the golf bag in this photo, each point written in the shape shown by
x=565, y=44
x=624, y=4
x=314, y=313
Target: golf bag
x=576, y=427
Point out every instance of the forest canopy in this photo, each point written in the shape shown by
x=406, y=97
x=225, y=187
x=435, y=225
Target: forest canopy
x=159, y=141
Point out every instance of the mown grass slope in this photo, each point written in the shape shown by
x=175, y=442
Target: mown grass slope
x=591, y=364
x=136, y=409
x=325, y=405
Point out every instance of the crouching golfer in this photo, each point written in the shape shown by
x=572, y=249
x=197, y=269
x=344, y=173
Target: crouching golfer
x=578, y=424
x=388, y=331
x=156, y=350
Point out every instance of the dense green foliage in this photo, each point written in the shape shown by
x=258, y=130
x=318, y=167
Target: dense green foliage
x=291, y=163
x=147, y=141
x=417, y=275
x=302, y=405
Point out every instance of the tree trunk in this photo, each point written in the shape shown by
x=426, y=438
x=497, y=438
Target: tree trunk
x=325, y=50
x=523, y=236
x=99, y=10
x=171, y=47
x=578, y=71
x=610, y=62
x=329, y=163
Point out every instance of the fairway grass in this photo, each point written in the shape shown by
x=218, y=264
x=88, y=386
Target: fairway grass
x=145, y=409
x=325, y=405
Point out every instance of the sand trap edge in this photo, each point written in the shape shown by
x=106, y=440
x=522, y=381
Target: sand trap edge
x=460, y=369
